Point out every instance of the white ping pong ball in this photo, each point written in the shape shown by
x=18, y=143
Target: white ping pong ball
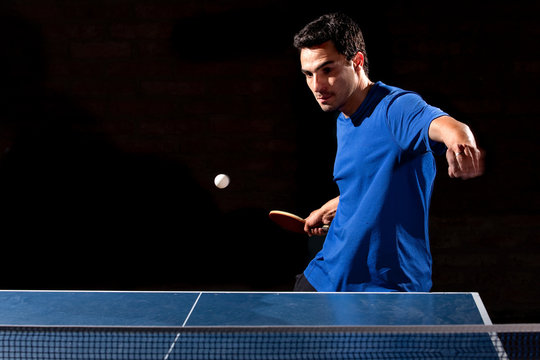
x=222, y=181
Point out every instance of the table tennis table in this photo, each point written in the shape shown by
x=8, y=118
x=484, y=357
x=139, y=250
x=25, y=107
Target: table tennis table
x=184, y=325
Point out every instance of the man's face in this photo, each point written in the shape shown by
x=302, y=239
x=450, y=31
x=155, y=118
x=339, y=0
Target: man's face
x=330, y=76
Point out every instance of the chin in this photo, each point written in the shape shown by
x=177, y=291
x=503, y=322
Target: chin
x=327, y=108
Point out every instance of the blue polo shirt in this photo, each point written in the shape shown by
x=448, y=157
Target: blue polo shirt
x=385, y=169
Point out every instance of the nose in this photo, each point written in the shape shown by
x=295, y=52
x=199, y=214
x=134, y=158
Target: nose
x=319, y=84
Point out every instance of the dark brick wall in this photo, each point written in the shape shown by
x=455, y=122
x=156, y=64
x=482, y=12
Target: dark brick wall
x=118, y=114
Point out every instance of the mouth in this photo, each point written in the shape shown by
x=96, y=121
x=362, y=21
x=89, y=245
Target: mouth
x=323, y=99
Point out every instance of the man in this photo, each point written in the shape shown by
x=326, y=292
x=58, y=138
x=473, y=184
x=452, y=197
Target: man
x=384, y=168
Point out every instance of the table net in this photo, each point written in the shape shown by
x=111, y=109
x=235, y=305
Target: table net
x=388, y=342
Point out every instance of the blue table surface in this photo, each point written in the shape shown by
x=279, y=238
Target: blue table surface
x=175, y=309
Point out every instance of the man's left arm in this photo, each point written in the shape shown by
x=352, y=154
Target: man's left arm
x=465, y=159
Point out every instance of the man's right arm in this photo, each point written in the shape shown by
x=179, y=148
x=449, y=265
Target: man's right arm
x=322, y=216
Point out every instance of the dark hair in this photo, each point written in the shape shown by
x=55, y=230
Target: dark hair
x=338, y=28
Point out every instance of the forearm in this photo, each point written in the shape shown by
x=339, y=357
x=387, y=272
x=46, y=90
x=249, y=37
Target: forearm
x=449, y=131
x=465, y=159
x=329, y=209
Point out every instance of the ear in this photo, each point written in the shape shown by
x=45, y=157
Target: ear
x=358, y=61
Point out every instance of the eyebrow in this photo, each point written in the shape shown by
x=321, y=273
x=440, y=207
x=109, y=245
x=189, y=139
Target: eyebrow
x=320, y=66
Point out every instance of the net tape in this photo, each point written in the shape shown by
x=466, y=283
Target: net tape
x=358, y=342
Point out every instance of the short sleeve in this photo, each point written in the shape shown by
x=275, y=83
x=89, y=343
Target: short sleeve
x=408, y=119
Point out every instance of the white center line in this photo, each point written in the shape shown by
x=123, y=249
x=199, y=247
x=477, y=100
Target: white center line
x=192, y=308
x=183, y=325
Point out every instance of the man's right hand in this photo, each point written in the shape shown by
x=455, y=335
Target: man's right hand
x=320, y=217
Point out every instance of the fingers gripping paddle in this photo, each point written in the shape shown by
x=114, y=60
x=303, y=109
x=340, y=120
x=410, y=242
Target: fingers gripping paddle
x=290, y=221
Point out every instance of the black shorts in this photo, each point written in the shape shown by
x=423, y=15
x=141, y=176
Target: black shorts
x=302, y=284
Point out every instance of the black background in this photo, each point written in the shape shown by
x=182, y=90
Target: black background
x=117, y=115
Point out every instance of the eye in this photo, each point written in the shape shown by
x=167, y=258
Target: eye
x=327, y=70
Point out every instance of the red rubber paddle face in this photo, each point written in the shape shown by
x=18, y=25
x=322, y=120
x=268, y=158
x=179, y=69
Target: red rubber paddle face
x=288, y=221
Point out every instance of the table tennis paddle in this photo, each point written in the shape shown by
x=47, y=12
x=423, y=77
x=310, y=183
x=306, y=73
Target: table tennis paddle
x=290, y=221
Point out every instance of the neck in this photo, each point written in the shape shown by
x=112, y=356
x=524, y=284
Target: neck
x=357, y=97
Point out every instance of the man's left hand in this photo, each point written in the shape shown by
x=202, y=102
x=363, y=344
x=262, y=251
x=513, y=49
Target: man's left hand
x=465, y=161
